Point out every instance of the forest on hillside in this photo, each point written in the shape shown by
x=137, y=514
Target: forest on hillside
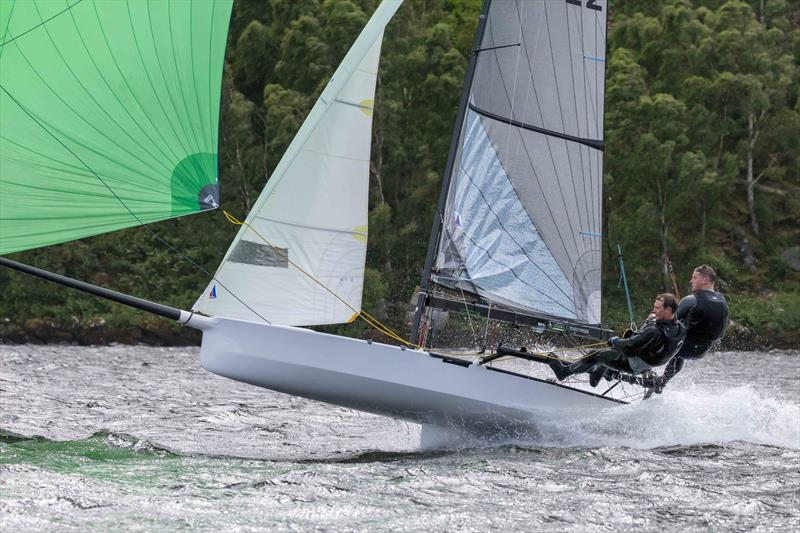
x=702, y=161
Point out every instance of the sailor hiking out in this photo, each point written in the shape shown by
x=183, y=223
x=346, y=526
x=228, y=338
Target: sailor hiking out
x=705, y=315
x=653, y=345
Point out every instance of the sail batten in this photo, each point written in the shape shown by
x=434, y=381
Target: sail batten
x=521, y=224
x=592, y=143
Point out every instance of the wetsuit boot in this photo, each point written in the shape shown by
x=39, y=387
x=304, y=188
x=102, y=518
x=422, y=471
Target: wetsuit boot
x=596, y=374
x=561, y=370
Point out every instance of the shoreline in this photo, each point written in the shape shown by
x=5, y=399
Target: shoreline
x=44, y=332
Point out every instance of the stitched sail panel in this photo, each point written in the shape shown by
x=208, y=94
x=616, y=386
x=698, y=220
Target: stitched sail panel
x=314, y=205
x=110, y=113
x=522, y=222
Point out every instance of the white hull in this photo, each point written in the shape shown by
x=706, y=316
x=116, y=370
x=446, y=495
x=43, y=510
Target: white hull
x=381, y=379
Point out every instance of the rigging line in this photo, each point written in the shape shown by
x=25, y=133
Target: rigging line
x=488, y=318
x=578, y=120
x=510, y=269
x=466, y=310
x=469, y=176
x=40, y=24
x=57, y=94
x=372, y=321
x=596, y=72
x=141, y=223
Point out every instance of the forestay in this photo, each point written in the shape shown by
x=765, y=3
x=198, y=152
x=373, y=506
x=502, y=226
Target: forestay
x=109, y=113
x=522, y=221
x=299, y=258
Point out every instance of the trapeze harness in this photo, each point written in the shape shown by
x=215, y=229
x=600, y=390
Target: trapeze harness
x=705, y=315
x=651, y=346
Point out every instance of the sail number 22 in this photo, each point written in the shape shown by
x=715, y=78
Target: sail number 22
x=591, y=4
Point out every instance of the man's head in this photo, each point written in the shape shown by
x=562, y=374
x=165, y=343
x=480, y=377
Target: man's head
x=703, y=278
x=665, y=306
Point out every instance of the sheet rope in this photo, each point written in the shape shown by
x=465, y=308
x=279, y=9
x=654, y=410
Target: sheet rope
x=357, y=313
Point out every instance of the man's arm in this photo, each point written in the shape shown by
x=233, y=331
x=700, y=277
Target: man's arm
x=685, y=307
x=633, y=345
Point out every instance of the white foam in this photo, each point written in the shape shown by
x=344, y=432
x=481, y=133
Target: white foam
x=695, y=414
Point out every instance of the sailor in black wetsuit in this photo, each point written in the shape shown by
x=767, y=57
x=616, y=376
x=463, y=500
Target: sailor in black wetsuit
x=705, y=315
x=653, y=345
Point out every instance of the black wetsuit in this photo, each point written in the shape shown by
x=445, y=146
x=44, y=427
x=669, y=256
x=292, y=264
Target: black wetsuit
x=705, y=315
x=651, y=346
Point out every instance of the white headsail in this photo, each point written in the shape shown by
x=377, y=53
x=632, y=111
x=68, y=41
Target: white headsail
x=299, y=259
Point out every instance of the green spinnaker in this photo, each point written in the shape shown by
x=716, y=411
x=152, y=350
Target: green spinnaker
x=109, y=114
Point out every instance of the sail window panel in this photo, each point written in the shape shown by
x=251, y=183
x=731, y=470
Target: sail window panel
x=253, y=253
x=556, y=182
x=552, y=77
x=293, y=295
x=559, y=184
x=501, y=250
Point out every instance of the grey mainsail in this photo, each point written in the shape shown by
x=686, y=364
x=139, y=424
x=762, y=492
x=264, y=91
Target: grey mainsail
x=521, y=224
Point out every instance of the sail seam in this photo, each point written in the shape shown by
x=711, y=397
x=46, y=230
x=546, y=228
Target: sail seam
x=564, y=127
x=121, y=201
x=585, y=206
x=335, y=156
x=547, y=136
x=40, y=24
x=81, y=116
x=307, y=226
x=150, y=84
x=102, y=77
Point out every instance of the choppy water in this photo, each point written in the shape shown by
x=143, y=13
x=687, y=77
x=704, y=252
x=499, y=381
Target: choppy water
x=142, y=438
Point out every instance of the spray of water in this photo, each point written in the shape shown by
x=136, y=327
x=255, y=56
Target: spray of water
x=692, y=415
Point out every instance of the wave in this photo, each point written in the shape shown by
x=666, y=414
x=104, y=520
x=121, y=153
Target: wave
x=100, y=445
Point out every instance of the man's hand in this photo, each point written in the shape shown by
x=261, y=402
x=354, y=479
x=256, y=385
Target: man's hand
x=613, y=341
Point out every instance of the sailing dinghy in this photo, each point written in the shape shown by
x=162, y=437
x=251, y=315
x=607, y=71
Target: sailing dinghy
x=517, y=232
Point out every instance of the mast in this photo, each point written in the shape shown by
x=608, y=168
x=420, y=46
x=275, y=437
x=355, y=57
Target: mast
x=448, y=172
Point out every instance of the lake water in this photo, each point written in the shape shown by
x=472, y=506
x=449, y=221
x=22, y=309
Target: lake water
x=142, y=438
